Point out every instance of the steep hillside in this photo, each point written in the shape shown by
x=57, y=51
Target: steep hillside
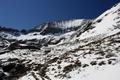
x=106, y=24
x=65, y=50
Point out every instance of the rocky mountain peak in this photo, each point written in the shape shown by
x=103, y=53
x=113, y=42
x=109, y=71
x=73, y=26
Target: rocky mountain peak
x=66, y=50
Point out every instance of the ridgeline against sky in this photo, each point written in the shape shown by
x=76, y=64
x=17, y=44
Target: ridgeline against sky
x=24, y=14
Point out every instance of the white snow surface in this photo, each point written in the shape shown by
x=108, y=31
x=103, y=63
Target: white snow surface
x=107, y=72
x=107, y=25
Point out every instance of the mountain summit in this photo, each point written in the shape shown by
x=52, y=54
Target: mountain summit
x=77, y=49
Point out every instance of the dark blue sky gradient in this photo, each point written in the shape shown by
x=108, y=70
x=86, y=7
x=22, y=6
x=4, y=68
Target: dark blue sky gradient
x=24, y=14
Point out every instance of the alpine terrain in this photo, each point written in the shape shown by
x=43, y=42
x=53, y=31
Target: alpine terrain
x=78, y=49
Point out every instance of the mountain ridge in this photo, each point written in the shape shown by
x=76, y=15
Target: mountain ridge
x=65, y=53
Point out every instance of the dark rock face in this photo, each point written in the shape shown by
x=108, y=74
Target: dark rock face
x=57, y=27
x=17, y=45
x=15, y=69
x=8, y=67
x=47, y=28
x=51, y=30
x=1, y=75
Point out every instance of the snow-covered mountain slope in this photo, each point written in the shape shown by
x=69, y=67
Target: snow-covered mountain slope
x=54, y=29
x=106, y=24
x=46, y=63
x=9, y=33
x=78, y=50
x=64, y=26
x=53, y=33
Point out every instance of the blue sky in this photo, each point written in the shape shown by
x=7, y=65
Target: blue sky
x=25, y=14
